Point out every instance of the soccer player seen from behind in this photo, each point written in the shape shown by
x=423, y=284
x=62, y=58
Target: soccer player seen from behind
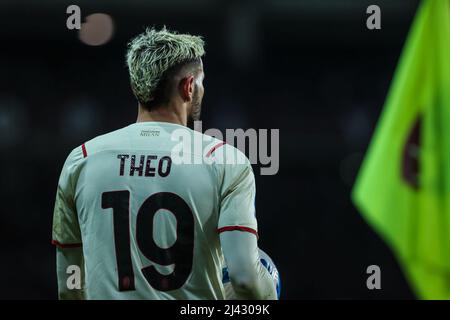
x=138, y=222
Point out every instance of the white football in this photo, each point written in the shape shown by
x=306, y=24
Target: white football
x=267, y=262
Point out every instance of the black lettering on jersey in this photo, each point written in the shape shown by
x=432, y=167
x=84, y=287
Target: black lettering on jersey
x=164, y=172
x=133, y=167
x=149, y=168
x=149, y=171
x=122, y=158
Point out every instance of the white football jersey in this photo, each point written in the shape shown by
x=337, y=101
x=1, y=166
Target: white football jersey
x=147, y=203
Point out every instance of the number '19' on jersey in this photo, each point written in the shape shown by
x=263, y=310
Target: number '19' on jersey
x=147, y=208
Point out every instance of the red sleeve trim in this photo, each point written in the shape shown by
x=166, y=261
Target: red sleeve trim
x=83, y=147
x=217, y=146
x=237, y=228
x=68, y=245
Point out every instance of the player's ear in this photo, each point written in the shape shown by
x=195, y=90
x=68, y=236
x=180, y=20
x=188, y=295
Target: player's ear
x=187, y=88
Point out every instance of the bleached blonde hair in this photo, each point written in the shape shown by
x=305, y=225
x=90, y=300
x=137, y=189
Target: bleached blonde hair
x=153, y=52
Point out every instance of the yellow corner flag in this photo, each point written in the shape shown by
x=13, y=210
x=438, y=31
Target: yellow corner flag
x=403, y=187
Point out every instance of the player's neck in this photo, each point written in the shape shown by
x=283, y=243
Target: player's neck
x=171, y=114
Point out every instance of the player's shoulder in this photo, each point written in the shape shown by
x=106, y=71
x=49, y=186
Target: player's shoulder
x=96, y=144
x=106, y=141
x=75, y=156
x=223, y=153
x=232, y=165
x=227, y=159
x=213, y=149
x=198, y=143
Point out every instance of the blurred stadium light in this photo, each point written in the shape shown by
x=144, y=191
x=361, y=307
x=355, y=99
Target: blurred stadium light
x=97, y=30
x=13, y=117
x=80, y=117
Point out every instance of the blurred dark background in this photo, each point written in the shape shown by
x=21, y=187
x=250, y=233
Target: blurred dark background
x=310, y=68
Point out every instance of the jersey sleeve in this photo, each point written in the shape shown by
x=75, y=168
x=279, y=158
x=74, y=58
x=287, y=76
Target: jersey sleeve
x=66, y=229
x=237, y=204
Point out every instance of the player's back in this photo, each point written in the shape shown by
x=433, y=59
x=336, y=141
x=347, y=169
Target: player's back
x=149, y=223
